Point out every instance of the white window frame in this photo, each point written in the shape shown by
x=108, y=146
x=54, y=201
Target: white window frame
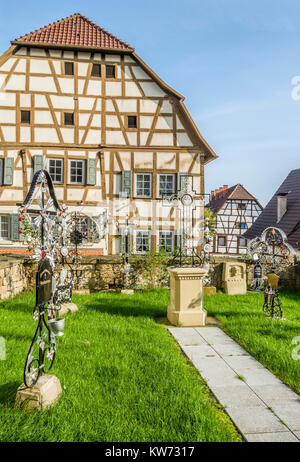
x=62, y=170
x=83, y=171
x=135, y=185
x=169, y=231
x=136, y=231
x=173, y=190
x=8, y=227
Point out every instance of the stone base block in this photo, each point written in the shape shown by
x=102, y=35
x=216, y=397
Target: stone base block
x=209, y=290
x=127, y=291
x=45, y=393
x=67, y=308
x=186, y=318
x=186, y=297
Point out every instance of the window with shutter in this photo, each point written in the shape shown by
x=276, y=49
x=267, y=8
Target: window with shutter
x=127, y=182
x=8, y=171
x=91, y=172
x=14, y=227
x=37, y=163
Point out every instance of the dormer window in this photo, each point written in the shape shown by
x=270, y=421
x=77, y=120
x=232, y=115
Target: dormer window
x=96, y=70
x=132, y=121
x=69, y=68
x=110, y=71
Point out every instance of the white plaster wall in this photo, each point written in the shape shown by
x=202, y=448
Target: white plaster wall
x=162, y=139
x=113, y=88
x=39, y=66
x=66, y=85
x=183, y=140
x=42, y=84
x=86, y=103
x=7, y=116
x=46, y=135
x=94, y=87
x=139, y=73
x=9, y=133
x=148, y=105
x=25, y=134
x=40, y=101
x=152, y=89
x=115, y=137
x=16, y=82
x=43, y=117
x=131, y=89
x=125, y=105
x=93, y=137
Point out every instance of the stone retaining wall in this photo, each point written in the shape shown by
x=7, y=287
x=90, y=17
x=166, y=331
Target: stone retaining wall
x=15, y=276
x=104, y=273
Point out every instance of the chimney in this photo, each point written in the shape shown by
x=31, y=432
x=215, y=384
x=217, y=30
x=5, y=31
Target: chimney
x=216, y=192
x=212, y=195
x=281, y=205
x=221, y=190
x=225, y=187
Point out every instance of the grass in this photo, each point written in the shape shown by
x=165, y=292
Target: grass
x=123, y=376
x=268, y=340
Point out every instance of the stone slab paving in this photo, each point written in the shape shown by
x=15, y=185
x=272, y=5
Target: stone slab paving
x=260, y=405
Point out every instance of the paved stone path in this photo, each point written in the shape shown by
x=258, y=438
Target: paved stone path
x=259, y=404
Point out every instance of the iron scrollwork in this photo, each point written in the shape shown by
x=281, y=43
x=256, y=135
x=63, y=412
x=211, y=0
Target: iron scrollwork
x=39, y=227
x=271, y=251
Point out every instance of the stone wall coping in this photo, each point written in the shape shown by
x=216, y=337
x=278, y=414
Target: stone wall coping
x=187, y=271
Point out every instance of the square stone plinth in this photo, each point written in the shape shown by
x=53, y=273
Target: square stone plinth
x=45, y=393
x=186, y=297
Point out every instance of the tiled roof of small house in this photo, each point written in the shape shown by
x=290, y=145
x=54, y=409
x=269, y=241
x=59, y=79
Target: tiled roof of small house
x=237, y=192
x=290, y=221
x=75, y=30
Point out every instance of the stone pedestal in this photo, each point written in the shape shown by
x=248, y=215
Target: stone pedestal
x=45, y=393
x=234, y=278
x=186, y=297
x=67, y=308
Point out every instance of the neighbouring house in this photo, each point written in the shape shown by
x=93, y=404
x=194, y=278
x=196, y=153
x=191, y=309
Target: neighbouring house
x=282, y=211
x=80, y=101
x=236, y=210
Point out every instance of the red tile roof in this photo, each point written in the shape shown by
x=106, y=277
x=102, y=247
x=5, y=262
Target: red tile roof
x=237, y=192
x=77, y=31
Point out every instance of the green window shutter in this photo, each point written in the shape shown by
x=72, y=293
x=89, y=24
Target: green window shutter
x=37, y=163
x=91, y=172
x=8, y=171
x=181, y=184
x=127, y=182
x=1, y=172
x=14, y=227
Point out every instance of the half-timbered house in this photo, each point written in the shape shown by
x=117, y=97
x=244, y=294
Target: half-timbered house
x=81, y=102
x=235, y=210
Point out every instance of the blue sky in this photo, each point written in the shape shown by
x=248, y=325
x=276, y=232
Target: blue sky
x=233, y=60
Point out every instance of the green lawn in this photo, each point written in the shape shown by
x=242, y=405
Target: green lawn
x=123, y=375
x=268, y=340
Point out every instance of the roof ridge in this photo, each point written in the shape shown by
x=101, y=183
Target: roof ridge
x=67, y=26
